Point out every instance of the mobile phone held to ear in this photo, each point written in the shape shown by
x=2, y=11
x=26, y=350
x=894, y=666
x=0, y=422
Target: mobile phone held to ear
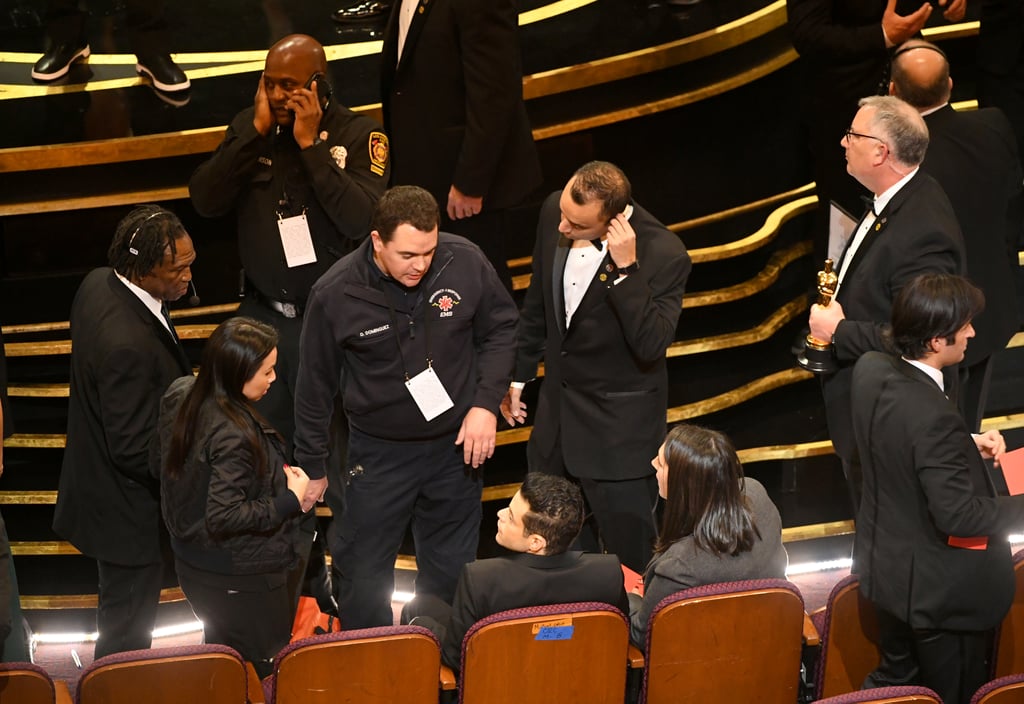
x=323, y=87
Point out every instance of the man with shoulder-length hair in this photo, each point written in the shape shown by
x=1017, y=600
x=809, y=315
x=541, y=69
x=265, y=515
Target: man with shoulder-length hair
x=124, y=355
x=931, y=547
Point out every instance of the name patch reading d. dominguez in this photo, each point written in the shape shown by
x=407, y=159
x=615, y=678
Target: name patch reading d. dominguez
x=553, y=630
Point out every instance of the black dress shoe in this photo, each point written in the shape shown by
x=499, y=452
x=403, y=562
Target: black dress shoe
x=57, y=60
x=366, y=10
x=163, y=73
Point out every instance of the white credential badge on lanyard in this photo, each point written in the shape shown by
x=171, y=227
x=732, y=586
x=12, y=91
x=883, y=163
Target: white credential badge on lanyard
x=296, y=240
x=429, y=394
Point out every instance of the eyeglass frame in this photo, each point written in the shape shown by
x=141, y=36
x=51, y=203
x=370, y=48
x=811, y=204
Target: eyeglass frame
x=850, y=133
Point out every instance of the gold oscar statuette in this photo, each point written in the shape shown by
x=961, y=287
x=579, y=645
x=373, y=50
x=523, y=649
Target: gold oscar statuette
x=816, y=356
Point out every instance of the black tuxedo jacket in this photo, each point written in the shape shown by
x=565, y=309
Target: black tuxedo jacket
x=973, y=156
x=915, y=233
x=498, y=584
x=453, y=106
x=605, y=384
x=843, y=49
x=122, y=361
x=924, y=480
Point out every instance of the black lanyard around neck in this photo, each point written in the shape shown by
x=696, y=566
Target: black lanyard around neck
x=412, y=325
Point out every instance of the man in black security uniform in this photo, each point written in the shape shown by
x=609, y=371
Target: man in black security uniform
x=418, y=333
x=303, y=174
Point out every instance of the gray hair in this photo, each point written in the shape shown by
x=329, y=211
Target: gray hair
x=902, y=128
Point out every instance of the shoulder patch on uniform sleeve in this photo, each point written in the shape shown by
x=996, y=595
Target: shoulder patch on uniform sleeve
x=378, y=152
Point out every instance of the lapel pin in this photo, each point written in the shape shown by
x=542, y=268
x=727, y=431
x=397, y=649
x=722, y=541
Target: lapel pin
x=603, y=277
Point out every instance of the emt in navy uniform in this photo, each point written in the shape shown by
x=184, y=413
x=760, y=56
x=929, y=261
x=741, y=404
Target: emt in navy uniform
x=418, y=333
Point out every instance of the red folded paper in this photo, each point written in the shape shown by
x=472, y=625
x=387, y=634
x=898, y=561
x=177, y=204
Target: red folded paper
x=1012, y=464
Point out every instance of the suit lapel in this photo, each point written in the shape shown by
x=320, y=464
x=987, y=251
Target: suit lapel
x=948, y=395
x=562, y=246
x=419, y=17
x=161, y=333
x=881, y=222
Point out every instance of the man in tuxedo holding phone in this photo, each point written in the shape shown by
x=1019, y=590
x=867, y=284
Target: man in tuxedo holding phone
x=602, y=307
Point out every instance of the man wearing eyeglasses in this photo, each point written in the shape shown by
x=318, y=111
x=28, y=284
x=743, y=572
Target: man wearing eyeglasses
x=910, y=229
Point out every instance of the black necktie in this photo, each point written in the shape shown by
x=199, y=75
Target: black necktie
x=170, y=326
x=596, y=243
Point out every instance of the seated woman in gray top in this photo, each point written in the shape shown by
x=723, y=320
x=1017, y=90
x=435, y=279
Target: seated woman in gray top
x=717, y=527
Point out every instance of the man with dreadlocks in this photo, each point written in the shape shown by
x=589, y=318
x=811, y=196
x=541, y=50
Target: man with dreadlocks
x=124, y=355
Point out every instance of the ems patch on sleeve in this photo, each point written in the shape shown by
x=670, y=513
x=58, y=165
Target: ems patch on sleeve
x=378, y=152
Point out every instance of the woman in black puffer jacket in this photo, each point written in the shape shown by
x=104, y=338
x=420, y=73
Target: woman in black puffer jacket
x=229, y=499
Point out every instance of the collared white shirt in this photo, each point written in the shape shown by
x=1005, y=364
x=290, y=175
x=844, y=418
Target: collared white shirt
x=881, y=201
x=936, y=376
x=405, y=15
x=933, y=373
x=580, y=269
x=155, y=306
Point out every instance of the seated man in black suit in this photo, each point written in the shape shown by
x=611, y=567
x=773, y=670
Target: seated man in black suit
x=539, y=524
x=931, y=547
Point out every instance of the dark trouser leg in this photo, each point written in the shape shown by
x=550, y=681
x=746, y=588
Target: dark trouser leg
x=624, y=514
x=554, y=463
x=250, y=613
x=446, y=519
x=488, y=231
x=366, y=534
x=8, y=587
x=65, y=23
x=620, y=516
x=128, y=599
x=145, y=28
x=952, y=662
x=13, y=642
x=898, y=665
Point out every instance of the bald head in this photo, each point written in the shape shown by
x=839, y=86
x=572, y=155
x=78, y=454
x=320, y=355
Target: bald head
x=920, y=75
x=300, y=48
x=291, y=64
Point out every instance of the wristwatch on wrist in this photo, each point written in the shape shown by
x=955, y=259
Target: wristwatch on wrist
x=631, y=269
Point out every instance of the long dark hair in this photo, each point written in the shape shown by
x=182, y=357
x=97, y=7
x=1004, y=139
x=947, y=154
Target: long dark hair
x=705, y=494
x=232, y=356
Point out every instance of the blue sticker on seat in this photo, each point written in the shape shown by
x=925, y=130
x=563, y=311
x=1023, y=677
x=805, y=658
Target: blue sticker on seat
x=554, y=633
